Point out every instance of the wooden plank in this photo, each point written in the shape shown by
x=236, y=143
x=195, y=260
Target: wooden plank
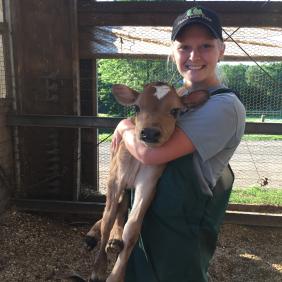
x=263, y=128
x=46, y=55
x=253, y=218
x=232, y=13
x=89, y=122
x=76, y=98
x=95, y=157
x=3, y=27
x=63, y=121
x=89, y=150
x=85, y=53
x=5, y=136
x=96, y=208
x=255, y=208
x=3, y=120
x=4, y=105
x=76, y=207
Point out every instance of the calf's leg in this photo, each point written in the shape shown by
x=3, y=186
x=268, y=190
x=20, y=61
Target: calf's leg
x=93, y=236
x=115, y=243
x=144, y=193
x=109, y=216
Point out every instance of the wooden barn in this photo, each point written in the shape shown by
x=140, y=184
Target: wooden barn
x=49, y=88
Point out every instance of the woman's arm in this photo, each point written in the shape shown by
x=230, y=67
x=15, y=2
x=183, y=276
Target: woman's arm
x=178, y=145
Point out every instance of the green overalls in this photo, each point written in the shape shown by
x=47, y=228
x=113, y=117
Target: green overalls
x=180, y=229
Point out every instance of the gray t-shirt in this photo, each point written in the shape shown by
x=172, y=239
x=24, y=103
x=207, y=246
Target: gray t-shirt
x=215, y=129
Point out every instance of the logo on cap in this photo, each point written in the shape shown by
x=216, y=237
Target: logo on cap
x=197, y=13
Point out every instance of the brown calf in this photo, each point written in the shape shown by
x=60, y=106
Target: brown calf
x=156, y=111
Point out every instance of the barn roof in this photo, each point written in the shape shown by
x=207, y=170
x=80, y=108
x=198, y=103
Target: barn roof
x=142, y=29
x=262, y=44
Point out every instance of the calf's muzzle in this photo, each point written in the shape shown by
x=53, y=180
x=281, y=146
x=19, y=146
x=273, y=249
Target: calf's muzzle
x=150, y=135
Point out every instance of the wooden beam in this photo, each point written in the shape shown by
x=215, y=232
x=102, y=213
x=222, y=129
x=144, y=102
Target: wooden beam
x=90, y=122
x=253, y=218
x=232, y=13
x=3, y=27
x=45, y=32
x=86, y=54
x=96, y=208
x=62, y=121
x=77, y=207
x=263, y=128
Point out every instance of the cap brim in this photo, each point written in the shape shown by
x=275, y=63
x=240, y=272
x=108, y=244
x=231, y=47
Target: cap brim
x=197, y=21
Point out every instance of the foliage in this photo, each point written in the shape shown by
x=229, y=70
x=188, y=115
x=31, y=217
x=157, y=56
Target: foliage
x=133, y=73
x=260, y=87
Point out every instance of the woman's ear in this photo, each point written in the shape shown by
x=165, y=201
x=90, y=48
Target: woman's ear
x=222, y=50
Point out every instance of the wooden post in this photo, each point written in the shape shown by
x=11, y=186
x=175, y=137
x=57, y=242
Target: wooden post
x=46, y=72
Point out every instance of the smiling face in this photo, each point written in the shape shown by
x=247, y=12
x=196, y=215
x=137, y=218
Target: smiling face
x=196, y=53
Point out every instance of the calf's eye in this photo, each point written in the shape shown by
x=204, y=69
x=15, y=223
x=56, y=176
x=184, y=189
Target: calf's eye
x=137, y=109
x=174, y=112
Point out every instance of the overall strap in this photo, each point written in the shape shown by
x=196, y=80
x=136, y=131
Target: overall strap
x=224, y=90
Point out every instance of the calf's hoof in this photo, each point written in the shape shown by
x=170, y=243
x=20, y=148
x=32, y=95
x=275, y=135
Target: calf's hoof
x=75, y=278
x=94, y=278
x=114, y=246
x=90, y=242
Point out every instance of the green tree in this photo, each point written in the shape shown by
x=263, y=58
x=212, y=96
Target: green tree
x=134, y=73
x=265, y=85
x=233, y=76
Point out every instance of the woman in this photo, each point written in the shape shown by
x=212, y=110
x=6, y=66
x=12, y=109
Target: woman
x=180, y=229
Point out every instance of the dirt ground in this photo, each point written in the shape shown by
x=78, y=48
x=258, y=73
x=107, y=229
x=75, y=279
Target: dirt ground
x=36, y=247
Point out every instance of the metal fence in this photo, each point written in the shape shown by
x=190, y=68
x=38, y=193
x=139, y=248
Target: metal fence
x=255, y=163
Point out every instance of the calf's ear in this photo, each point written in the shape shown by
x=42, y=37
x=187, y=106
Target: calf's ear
x=195, y=98
x=124, y=95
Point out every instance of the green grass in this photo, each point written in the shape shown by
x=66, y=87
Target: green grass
x=261, y=137
x=257, y=195
x=268, y=120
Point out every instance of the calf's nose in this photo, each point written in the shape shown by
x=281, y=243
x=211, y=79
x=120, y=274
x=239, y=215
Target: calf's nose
x=150, y=135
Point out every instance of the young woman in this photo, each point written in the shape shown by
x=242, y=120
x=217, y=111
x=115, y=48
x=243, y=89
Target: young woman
x=180, y=229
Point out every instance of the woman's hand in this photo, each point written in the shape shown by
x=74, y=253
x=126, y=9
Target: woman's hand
x=178, y=145
x=124, y=125
x=115, y=141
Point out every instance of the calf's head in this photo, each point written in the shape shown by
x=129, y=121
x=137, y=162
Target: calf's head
x=157, y=108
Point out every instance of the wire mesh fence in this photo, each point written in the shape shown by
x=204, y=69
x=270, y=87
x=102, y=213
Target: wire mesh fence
x=258, y=163
x=138, y=55
x=255, y=163
x=250, y=69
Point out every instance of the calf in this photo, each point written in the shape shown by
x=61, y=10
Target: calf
x=156, y=111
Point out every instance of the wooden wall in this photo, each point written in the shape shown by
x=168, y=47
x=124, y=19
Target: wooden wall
x=46, y=72
x=45, y=36
x=6, y=155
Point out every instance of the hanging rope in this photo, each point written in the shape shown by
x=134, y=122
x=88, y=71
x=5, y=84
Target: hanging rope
x=249, y=56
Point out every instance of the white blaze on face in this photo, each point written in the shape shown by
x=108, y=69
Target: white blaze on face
x=161, y=91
